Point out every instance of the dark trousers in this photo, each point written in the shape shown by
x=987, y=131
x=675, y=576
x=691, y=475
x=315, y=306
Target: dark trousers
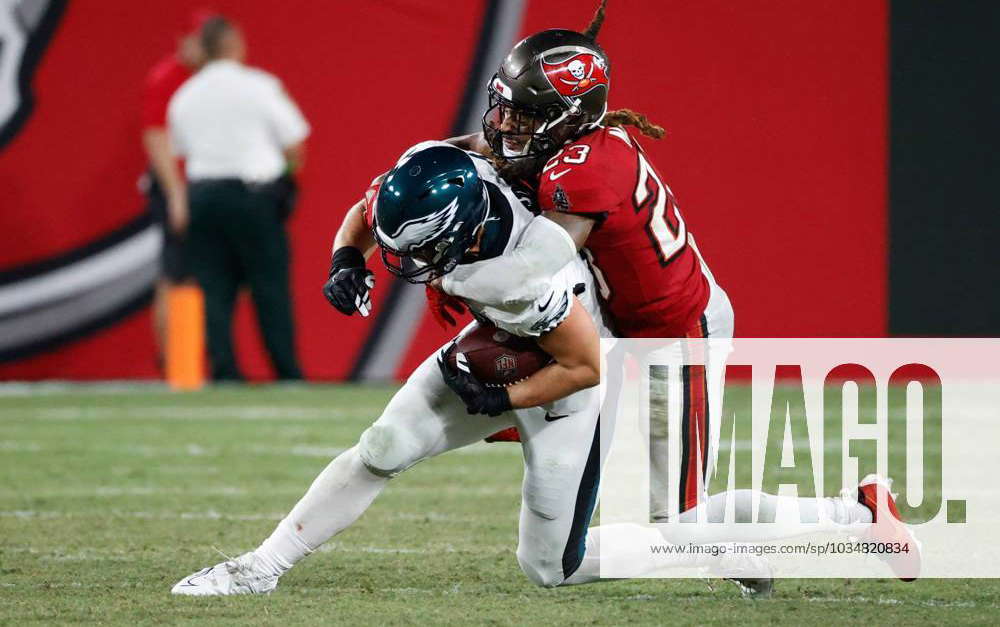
x=173, y=255
x=235, y=236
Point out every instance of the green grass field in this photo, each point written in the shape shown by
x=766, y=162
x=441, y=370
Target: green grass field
x=109, y=496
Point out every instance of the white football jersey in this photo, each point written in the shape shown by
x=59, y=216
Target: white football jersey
x=538, y=307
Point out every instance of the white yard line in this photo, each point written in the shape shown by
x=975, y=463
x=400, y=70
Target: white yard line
x=227, y=490
x=324, y=452
x=834, y=600
x=431, y=516
x=111, y=491
x=59, y=388
x=211, y=514
x=142, y=515
x=139, y=386
x=174, y=412
x=15, y=446
x=889, y=601
x=336, y=547
x=201, y=450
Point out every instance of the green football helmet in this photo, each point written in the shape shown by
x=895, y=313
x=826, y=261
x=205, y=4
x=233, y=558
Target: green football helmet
x=428, y=211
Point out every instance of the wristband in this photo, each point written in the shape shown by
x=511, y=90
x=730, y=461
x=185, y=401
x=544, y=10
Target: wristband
x=347, y=257
x=499, y=401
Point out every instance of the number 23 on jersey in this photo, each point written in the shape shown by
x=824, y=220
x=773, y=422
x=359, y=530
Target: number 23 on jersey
x=572, y=155
x=665, y=226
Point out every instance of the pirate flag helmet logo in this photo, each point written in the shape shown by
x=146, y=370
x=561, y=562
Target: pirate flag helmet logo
x=576, y=75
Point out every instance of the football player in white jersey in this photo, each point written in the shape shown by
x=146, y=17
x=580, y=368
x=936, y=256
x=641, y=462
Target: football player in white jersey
x=437, y=208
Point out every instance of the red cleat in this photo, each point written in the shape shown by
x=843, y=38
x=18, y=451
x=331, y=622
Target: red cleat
x=507, y=435
x=886, y=527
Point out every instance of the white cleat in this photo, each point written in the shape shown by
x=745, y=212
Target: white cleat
x=750, y=573
x=242, y=575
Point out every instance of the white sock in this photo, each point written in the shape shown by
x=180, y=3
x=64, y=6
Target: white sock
x=637, y=558
x=338, y=496
x=282, y=549
x=792, y=517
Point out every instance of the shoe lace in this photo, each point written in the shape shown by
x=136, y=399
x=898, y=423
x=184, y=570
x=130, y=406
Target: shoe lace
x=247, y=570
x=241, y=570
x=229, y=558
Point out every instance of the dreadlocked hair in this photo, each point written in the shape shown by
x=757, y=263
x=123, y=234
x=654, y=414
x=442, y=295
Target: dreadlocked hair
x=621, y=117
x=595, y=24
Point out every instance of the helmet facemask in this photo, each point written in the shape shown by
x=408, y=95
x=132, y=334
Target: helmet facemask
x=517, y=132
x=437, y=258
x=429, y=262
x=550, y=89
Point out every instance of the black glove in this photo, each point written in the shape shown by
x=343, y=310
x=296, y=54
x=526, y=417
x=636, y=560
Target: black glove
x=478, y=398
x=350, y=283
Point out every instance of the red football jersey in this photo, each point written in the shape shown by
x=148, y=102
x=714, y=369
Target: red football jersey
x=649, y=273
x=161, y=83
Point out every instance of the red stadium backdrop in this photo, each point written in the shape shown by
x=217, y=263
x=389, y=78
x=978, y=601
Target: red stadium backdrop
x=776, y=147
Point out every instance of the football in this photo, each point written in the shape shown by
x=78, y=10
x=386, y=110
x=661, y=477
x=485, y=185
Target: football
x=498, y=358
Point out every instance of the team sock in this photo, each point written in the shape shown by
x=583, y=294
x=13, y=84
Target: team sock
x=791, y=517
x=338, y=496
x=635, y=554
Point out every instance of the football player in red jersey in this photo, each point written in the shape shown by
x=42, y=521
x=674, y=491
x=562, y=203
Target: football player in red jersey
x=548, y=128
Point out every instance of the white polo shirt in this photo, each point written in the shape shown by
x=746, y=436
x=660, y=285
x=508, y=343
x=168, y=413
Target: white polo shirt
x=234, y=121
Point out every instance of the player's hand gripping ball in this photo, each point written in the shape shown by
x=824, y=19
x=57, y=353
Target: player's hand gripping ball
x=497, y=358
x=479, y=366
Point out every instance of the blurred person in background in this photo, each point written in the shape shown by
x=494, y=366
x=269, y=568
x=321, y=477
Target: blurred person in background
x=241, y=137
x=163, y=183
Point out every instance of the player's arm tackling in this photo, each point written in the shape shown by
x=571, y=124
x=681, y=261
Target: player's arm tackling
x=354, y=232
x=474, y=142
x=578, y=227
x=524, y=273
x=349, y=284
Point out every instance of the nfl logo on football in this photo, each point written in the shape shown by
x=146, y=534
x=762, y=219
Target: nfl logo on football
x=505, y=364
